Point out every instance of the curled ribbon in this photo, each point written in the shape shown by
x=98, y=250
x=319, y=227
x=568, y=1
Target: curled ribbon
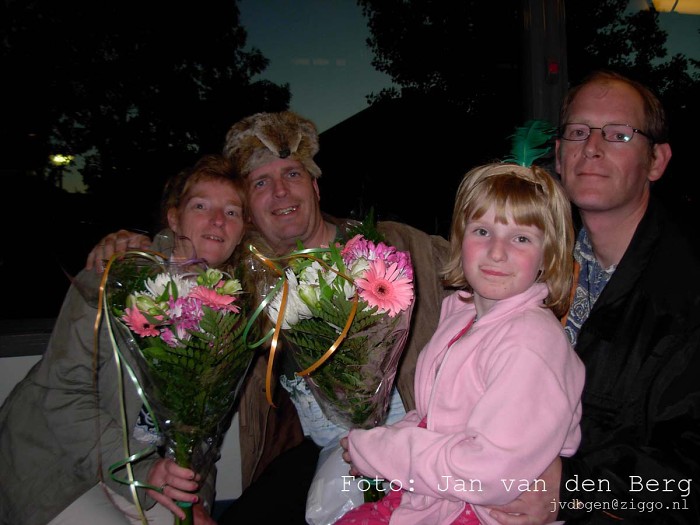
x=102, y=306
x=309, y=253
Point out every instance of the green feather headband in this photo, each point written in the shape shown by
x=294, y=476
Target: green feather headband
x=531, y=142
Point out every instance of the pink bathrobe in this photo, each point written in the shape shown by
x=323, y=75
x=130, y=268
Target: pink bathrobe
x=501, y=403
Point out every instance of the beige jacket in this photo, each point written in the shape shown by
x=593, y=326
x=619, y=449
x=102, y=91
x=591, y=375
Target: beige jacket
x=266, y=432
x=57, y=432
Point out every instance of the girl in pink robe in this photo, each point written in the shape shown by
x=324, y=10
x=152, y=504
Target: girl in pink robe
x=498, y=386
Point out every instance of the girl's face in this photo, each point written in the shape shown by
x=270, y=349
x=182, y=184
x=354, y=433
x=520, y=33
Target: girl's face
x=211, y=216
x=500, y=260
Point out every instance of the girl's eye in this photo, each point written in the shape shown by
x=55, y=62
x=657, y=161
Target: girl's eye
x=481, y=232
x=522, y=239
x=232, y=213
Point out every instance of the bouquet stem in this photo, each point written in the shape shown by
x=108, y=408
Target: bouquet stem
x=182, y=448
x=375, y=490
x=189, y=514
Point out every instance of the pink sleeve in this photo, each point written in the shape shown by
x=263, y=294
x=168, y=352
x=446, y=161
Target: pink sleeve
x=527, y=414
x=411, y=419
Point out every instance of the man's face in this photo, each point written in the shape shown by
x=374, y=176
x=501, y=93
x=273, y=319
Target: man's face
x=283, y=203
x=601, y=176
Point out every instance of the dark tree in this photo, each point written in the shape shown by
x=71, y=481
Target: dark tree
x=139, y=90
x=604, y=34
x=465, y=53
x=458, y=72
x=457, y=69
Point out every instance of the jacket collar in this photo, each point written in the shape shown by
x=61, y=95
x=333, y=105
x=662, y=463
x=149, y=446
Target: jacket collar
x=636, y=257
x=535, y=295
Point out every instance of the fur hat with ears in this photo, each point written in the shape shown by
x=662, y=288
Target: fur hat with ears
x=264, y=137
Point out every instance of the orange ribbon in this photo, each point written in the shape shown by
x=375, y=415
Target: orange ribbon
x=307, y=254
x=337, y=342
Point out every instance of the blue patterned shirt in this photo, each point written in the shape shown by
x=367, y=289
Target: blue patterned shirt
x=592, y=279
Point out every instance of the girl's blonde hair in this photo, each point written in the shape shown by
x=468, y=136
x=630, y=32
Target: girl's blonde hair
x=534, y=198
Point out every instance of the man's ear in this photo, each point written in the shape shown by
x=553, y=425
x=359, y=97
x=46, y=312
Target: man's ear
x=661, y=155
x=318, y=192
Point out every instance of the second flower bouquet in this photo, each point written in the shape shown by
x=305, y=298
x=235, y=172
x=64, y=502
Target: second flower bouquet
x=345, y=312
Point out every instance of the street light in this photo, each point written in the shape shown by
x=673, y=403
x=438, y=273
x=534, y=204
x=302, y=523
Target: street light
x=60, y=160
x=686, y=7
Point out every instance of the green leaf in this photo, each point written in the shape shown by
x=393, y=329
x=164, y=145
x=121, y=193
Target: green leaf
x=367, y=228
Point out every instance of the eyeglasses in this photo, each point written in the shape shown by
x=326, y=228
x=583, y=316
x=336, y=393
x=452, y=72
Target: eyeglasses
x=610, y=132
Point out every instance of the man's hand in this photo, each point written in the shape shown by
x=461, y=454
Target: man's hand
x=346, y=457
x=201, y=516
x=120, y=241
x=533, y=507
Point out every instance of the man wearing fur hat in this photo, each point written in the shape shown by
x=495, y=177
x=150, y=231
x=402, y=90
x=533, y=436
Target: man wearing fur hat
x=274, y=153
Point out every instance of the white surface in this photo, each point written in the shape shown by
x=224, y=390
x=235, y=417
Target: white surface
x=228, y=478
x=12, y=371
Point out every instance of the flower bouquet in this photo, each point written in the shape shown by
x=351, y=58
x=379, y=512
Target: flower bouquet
x=344, y=312
x=185, y=327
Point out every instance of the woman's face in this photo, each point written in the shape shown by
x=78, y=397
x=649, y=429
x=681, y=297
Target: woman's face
x=211, y=216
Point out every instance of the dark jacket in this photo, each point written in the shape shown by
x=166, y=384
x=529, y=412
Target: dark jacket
x=641, y=400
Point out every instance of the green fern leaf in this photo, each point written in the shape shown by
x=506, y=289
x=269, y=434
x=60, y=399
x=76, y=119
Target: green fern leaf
x=367, y=228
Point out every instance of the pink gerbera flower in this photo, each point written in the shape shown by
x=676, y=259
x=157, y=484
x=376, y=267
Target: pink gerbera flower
x=139, y=324
x=355, y=248
x=386, y=287
x=213, y=300
x=383, y=251
x=403, y=259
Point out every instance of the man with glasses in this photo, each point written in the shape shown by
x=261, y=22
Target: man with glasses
x=634, y=322
x=610, y=132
